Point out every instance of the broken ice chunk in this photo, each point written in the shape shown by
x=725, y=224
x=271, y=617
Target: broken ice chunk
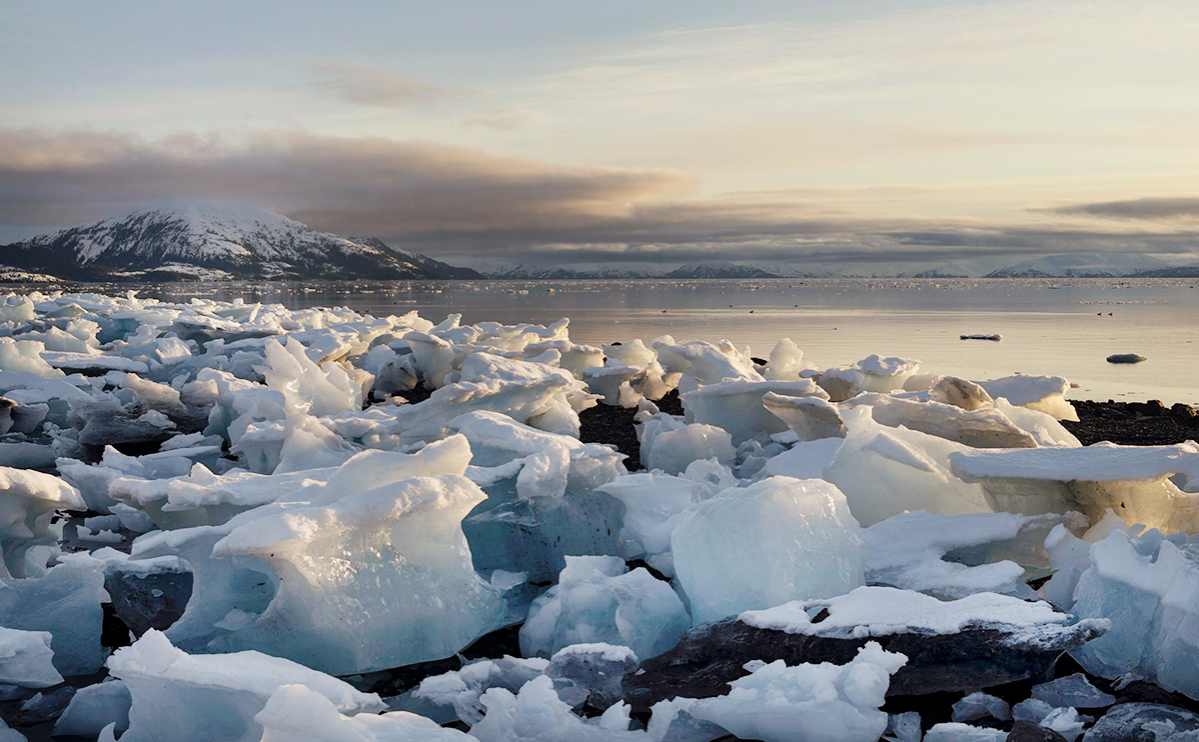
x=809, y=702
x=199, y=698
x=1134, y=481
x=776, y=540
x=598, y=600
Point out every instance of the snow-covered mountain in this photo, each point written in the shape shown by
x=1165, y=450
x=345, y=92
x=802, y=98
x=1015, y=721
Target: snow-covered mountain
x=1082, y=265
x=212, y=241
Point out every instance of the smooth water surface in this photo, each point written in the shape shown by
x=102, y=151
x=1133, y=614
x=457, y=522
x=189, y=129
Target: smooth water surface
x=1050, y=326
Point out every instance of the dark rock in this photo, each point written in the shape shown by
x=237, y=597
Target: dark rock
x=1143, y=691
x=1026, y=731
x=148, y=601
x=708, y=657
x=1126, y=358
x=1127, y=723
x=1131, y=423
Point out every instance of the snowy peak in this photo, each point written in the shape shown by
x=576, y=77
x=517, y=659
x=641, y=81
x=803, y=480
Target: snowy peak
x=1082, y=265
x=236, y=240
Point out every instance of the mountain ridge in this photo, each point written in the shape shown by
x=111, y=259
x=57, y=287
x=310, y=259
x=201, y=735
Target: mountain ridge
x=213, y=241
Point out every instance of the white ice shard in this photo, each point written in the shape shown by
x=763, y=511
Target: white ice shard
x=94, y=707
x=670, y=445
x=1147, y=586
x=458, y=692
x=703, y=363
x=913, y=465
x=960, y=392
x=28, y=503
x=296, y=713
x=776, y=540
x=785, y=362
x=532, y=393
x=885, y=374
x=984, y=428
x=880, y=611
x=26, y=659
x=25, y=355
x=655, y=502
x=808, y=702
x=598, y=600
x=66, y=603
x=537, y=714
x=990, y=552
x=1133, y=481
x=374, y=580
x=306, y=387
x=201, y=698
x=737, y=406
x=810, y=418
x=1041, y=393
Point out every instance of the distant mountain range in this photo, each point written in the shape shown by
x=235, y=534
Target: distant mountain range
x=222, y=242
x=204, y=241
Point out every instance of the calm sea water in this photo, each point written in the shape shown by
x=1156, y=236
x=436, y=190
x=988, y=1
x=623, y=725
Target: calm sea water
x=1066, y=327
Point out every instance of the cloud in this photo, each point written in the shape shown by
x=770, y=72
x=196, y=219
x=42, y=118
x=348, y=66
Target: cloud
x=367, y=85
x=1156, y=208
x=499, y=120
x=461, y=202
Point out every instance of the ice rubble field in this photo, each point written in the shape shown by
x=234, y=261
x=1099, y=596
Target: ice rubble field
x=226, y=521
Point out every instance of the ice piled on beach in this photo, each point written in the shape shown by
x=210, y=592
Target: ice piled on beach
x=356, y=495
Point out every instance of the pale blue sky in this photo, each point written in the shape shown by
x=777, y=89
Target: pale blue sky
x=618, y=130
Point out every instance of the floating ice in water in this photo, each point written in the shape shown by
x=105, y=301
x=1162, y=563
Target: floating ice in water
x=1134, y=481
x=737, y=405
x=990, y=552
x=184, y=697
x=1041, y=393
x=598, y=600
x=1147, y=585
x=296, y=713
x=26, y=659
x=913, y=464
x=776, y=540
x=807, y=703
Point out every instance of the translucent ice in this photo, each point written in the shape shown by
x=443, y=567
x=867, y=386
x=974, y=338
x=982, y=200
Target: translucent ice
x=913, y=464
x=296, y=713
x=1134, y=481
x=26, y=659
x=776, y=540
x=1072, y=691
x=598, y=600
x=1041, y=393
x=28, y=502
x=374, y=580
x=737, y=406
x=184, y=697
x=979, y=706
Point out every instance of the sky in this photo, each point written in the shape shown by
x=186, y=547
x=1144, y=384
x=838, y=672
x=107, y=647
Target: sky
x=620, y=132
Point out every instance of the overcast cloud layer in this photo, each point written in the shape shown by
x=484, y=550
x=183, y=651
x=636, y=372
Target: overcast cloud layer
x=911, y=130
x=460, y=202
